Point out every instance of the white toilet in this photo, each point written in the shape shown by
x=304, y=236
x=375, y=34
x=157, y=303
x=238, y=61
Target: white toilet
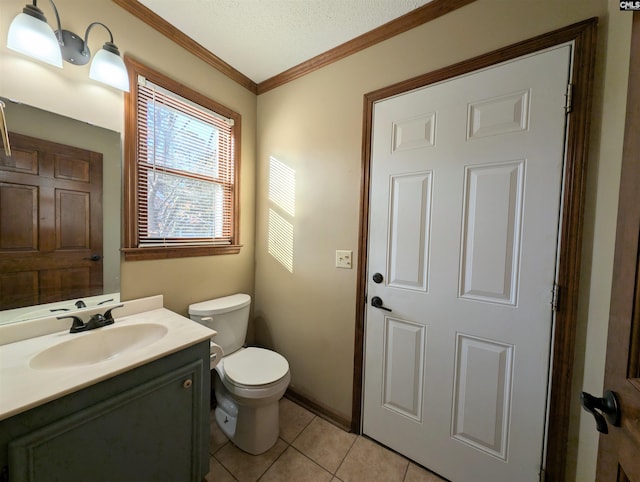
x=248, y=382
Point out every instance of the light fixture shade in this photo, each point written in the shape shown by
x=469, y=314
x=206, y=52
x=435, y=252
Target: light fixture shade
x=108, y=67
x=35, y=38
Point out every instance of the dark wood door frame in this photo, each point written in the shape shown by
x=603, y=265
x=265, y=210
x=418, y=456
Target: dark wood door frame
x=617, y=450
x=583, y=36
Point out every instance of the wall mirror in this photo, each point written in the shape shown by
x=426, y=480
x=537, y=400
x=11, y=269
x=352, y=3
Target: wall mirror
x=50, y=219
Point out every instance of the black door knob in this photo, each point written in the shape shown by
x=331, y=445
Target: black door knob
x=377, y=278
x=377, y=302
x=607, y=406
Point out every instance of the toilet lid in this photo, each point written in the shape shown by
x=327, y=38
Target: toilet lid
x=255, y=366
x=219, y=306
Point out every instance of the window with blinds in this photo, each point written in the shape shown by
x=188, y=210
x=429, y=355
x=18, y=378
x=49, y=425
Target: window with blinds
x=184, y=174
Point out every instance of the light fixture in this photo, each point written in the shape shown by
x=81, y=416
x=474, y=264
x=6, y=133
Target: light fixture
x=31, y=35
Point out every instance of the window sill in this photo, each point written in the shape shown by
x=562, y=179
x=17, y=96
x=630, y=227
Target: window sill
x=140, y=254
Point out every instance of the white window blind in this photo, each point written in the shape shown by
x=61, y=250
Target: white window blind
x=185, y=171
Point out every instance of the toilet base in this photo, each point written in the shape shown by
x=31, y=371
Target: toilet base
x=226, y=422
x=253, y=428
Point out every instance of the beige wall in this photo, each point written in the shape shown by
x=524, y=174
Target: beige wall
x=314, y=126
x=70, y=92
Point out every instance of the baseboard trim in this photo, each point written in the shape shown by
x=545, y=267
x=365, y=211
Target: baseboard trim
x=319, y=410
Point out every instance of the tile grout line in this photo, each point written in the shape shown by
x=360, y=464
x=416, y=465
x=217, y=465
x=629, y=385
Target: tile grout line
x=297, y=435
x=274, y=460
x=224, y=467
x=287, y=446
x=406, y=471
x=303, y=429
x=333, y=474
x=312, y=461
x=213, y=456
x=324, y=469
x=227, y=470
x=299, y=451
x=270, y=465
x=345, y=456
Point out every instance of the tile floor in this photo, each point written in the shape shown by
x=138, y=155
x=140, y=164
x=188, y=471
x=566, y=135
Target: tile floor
x=310, y=449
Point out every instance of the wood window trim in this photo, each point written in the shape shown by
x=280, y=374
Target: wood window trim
x=130, y=248
x=583, y=34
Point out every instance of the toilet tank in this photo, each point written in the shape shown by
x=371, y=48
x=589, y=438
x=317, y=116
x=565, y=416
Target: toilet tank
x=229, y=316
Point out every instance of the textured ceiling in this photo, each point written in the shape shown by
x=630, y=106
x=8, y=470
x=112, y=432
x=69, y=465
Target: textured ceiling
x=262, y=38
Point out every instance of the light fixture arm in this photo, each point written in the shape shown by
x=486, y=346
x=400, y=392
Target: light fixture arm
x=85, y=50
x=28, y=9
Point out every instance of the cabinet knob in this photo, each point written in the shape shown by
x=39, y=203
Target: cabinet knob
x=187, y=383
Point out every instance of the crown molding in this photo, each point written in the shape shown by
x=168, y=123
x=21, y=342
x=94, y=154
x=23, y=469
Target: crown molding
x=415, y=18
x=161, y=25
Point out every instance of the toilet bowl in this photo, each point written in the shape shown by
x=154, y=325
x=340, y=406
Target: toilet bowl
x=248, y=382
x=247, y=398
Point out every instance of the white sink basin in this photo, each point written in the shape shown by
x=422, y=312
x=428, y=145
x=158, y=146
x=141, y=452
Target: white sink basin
x=98, y=345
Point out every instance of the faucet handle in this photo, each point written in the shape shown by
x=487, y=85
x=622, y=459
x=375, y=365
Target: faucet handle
x=107, y=314
x=78, y=324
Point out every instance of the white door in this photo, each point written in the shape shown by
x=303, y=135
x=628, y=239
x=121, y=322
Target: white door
x=466, y=182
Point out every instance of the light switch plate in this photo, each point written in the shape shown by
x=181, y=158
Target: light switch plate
x=343, y=258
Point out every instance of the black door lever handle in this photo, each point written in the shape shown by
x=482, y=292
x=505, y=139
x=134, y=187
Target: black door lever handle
x=607, y=406
x=377, y=302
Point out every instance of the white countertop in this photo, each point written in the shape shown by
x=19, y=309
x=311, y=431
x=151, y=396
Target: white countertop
x=23, y=387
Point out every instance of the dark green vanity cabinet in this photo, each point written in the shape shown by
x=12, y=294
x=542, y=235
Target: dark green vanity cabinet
x=150, y=424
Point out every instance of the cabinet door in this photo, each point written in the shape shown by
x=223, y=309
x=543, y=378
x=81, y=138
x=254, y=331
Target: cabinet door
x=148, y=433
